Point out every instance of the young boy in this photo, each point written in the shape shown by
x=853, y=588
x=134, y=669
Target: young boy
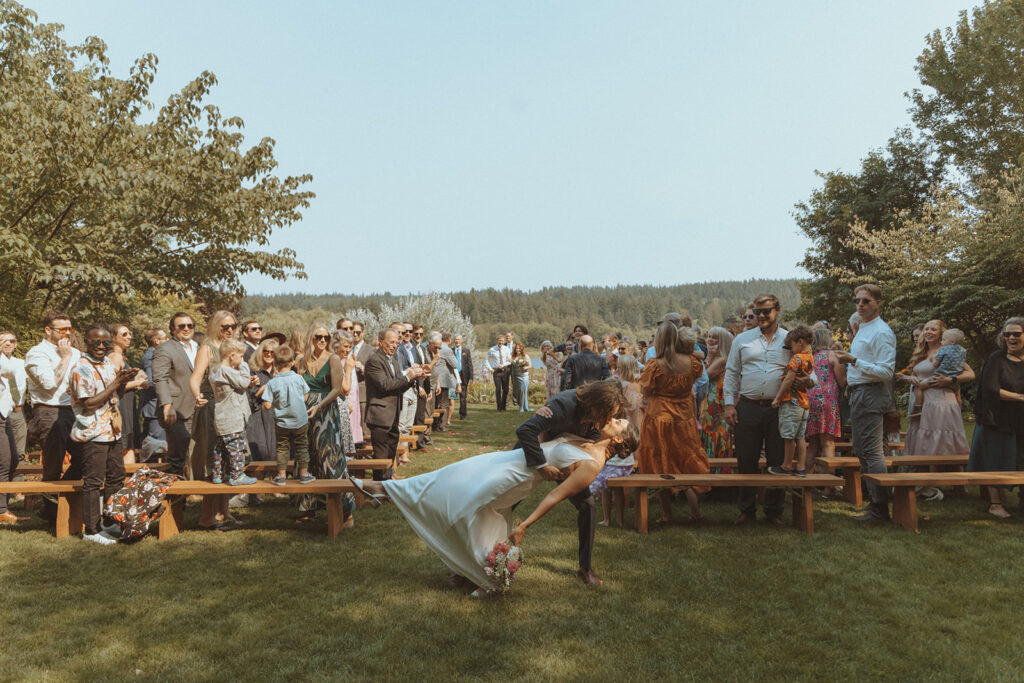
x=793, y=404
x=285, y=393
x=950, y=361
x=231, y=382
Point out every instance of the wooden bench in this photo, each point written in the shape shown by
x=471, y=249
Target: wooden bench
x=37, y=470
x=852, y=475
x=904, y=498
x=170, y=522
x=847, y=446
x=800, y=487
x=69, y=501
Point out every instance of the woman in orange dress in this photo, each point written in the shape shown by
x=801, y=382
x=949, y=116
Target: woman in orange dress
x=669, y=441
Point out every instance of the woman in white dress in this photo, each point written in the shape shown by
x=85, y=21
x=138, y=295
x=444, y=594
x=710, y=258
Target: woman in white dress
x=462, y=510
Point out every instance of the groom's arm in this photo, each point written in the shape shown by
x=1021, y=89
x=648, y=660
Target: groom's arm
x=533, y=431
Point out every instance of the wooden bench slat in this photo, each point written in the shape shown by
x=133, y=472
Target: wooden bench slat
x=734, y=479
x=34, y=469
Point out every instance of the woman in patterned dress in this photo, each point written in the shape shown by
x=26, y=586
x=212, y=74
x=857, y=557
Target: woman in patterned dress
x=716, y=433
x=325, y=376
x=824, y=424
x=552, y=366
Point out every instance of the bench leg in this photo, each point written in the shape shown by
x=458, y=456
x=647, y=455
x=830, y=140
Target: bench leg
x=803, y=510
x=851, y=489
x=170, y=522
x=335, y=515
x=904, y=507
x=640, y=510
x=69, y=515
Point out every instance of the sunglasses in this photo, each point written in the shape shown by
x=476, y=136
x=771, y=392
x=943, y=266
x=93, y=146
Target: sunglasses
x=749, y=317
x=1012, y=335
x=99, y=342
x=863, y=301
x=763, y=311
x=186, y=326
x=268, y=352
x=255, y=328
x=228, y=328
x=321, y=337
x=63, y=330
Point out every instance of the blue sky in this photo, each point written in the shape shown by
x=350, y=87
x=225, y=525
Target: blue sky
x=524, y=144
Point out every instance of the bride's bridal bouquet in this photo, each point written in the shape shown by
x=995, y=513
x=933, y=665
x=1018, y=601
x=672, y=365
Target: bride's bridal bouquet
x=521, y=363
x=502, y=563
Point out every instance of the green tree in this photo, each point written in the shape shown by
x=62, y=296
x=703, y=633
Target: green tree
x=106, y=206
x=896, y=180
x=972, y=106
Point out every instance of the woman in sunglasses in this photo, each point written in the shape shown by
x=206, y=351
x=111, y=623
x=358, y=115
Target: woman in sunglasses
x=324, y=373
x=121, y=336
x=260, y=429
x=221, y=325
x=998, y=443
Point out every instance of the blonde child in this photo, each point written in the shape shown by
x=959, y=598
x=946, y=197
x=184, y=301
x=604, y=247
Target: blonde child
x=231, y=382
x=949, y=360
x=793, y=404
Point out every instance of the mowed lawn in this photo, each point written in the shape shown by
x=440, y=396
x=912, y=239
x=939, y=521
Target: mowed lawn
x=274, y=601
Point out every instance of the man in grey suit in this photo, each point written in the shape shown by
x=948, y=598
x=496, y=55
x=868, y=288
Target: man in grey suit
x=172, y=368
x=444, y=377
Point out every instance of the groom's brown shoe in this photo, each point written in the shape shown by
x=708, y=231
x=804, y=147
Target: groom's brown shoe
x=589, y=577
x=456, y=581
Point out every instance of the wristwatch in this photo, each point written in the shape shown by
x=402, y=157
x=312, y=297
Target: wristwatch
x=854, y=361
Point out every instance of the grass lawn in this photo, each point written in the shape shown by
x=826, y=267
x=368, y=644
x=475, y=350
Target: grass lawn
x=273, y=601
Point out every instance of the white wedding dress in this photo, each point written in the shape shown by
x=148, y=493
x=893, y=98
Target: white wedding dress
x=462, y=510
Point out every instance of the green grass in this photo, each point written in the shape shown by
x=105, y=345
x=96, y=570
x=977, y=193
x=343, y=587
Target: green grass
x=273, y=601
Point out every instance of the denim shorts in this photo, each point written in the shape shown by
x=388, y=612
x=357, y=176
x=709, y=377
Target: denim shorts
x=792, y=421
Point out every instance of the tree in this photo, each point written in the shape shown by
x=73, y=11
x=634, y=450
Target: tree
x=436, y=312
x=973, y=109
x=960, y=260
x=106, y=207
x=896, y=180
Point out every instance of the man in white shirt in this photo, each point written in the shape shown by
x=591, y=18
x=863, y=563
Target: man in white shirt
x=18, y=386
x=753, y=372
x=870, y=365
x=48, y=367
x=498, y=363
x=8, y=452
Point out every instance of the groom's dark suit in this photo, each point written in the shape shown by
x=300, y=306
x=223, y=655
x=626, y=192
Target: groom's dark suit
x=566, y=417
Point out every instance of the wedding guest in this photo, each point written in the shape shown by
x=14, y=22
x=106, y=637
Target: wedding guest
x=154, y=440
x=8, y=447
x=935, y=425
x=748, y=318
x=425, y=398
x=354, y=398
x=552, y=368
x=48, y=367
x=362, y=352
x=998, y=443
x=260, y=430
x=621, y=464
x=172, y=374
x=464, y=357
x=497, y=363
x=716, y=432
x=284, y=397
x=756, y=364
x=341, y=345
x=231, y=382
x=94, y=386
x=252, y=335
x=325, y=375
x=409, y=357
x=444, y=376
x=950, y=360
x=521, y=376
x=386, y=382
x=127, y=403
x=18, y=387
x=584, y=367
x=824, y=426
x=669, y=443
x=297, y=342
x=871, y=362
x=793, y=404
x=571, y=344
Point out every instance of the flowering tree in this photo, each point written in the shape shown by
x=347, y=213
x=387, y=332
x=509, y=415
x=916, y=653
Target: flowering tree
x=434, y=311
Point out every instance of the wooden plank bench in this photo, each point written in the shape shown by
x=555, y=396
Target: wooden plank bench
x=800, y=487
x=69, y=501
x=847, y=446
x=170, y=522
x=904, y=498
x=852, y=474
x=37, y=470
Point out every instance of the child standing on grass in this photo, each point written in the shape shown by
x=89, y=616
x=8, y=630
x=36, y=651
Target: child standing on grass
x=793, y=404
x=285, y=393
x=231, y=382
x=620, y=465
x=950, y=360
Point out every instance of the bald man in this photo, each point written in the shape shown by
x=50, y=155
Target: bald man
x=584, y=367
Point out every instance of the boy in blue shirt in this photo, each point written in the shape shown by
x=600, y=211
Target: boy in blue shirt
x=285, y=393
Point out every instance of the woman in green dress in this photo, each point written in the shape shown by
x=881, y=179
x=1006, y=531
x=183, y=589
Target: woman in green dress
x=324, y=374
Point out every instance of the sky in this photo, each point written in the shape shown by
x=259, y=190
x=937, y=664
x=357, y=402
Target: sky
x=459, y=145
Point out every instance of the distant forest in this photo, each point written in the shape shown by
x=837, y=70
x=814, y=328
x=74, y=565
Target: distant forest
x=546, y=312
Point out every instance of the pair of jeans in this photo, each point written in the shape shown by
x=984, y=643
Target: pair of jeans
x=8, y=457
x=101, y=464
x=868, y=406
x=758, y=427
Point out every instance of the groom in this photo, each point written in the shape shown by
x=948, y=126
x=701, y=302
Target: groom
x=582, y=411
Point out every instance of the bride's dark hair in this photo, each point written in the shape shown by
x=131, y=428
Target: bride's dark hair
x=601, y=401
x=630, y=442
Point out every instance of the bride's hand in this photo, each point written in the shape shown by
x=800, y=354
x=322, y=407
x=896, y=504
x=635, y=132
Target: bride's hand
x=517, y=535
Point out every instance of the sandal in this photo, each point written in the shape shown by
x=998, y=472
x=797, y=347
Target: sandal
x=374, y=499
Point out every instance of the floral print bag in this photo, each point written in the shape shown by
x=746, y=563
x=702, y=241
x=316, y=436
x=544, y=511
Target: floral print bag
x=139, y=502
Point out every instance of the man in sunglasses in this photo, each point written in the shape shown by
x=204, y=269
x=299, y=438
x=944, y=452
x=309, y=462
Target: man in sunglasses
x=870, y=365
x=48, y=367
x=362, y=351
x=252, y=335
x=172, y=369
x=753, y=373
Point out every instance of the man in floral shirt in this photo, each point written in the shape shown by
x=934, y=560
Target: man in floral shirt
x=94, y=387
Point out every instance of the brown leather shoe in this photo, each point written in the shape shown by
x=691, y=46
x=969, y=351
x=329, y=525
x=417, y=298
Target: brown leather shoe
x=744, y=518
x=589, y=577
x=11, y=518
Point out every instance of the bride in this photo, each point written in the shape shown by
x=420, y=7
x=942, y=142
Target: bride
x=462, y=510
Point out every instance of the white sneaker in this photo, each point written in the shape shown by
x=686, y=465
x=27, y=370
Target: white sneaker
x=112, y=535
x=99, y=538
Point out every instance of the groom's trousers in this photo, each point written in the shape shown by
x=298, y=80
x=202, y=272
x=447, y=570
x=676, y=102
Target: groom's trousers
x=586, y=524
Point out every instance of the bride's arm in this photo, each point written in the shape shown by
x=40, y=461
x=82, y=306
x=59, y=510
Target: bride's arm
x=580, y=478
